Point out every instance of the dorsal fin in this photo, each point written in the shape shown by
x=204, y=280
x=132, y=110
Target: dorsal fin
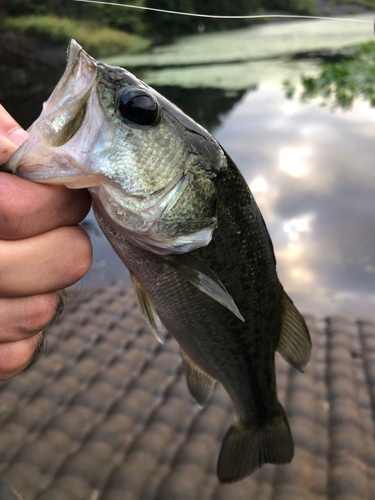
x=200, y=384
x=204, y=279
x=148, y=310
x=295, y=343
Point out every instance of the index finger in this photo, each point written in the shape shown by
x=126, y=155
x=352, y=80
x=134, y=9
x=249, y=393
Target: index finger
x=28, y=208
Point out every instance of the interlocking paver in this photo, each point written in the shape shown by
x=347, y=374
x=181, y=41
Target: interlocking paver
x=106, y=415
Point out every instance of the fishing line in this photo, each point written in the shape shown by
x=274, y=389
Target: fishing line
x=260, y=16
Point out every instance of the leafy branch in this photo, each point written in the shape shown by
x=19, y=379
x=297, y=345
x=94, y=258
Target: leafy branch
x=340, y=83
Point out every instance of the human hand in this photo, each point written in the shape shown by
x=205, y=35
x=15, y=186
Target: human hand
x=42, y=250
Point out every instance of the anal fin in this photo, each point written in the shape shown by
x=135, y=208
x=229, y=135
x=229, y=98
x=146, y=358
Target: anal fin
x=200, y=384
x=295, y=343
x=148, y=310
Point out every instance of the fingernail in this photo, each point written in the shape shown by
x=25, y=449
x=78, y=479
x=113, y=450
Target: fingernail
x=18, y=136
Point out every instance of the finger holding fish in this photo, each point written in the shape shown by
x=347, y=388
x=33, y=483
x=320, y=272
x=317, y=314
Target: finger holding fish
x=47, y=262
x=28, y=209
x=11, y=135
x=33, y=270
x=42, y=250
x=23, y=317
x=17, y=355
x=22, y=320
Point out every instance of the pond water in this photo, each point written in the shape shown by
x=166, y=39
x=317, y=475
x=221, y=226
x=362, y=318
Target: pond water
x=311, y=170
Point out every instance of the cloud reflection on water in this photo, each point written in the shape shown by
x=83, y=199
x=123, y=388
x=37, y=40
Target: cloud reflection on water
x=312, y=172
x=294, y=161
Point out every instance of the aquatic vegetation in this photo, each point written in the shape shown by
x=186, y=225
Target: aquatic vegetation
x=340, y=83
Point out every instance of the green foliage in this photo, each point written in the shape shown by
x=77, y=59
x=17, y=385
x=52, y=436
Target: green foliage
x=339, y=84
x=169, y=25
x=99, y=42
x=116, y=17
x=227, y=8
x=295, y=6
x=130, y=20
x=369, y=4
x=161, y=26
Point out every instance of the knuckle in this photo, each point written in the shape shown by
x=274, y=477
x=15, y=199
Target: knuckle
x=80, y=256
x=40, y=310
x=79, y=204
x=15, y=356
x=14, y=214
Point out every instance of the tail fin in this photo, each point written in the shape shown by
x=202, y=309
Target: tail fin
x=247, y=447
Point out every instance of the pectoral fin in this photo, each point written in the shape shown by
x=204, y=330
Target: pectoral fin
x=295, y=343
x=200, y=384
x=205, y=280
x=148, y=309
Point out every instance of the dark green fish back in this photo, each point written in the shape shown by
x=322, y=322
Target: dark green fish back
x=241, y=255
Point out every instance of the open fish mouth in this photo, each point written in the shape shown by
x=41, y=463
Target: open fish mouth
x=50, y=154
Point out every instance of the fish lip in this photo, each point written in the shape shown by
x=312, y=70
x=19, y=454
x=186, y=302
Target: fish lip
x=83, y=68
x=13, y=164
x=76, y=55
x=74, y=48
x=75, y=52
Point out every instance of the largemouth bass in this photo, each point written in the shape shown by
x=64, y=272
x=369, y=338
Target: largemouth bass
x=181, y=217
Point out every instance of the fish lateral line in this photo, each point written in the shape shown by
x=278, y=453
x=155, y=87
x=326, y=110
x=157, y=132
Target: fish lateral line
x=213, y=16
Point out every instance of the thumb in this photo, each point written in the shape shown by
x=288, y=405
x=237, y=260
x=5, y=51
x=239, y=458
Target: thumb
x=12, y=135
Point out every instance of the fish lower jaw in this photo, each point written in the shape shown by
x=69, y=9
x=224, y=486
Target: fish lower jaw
x=76, y=182
x=52, y=168
x=71, y=181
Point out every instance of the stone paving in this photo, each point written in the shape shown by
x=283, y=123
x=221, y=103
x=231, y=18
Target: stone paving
x=106, y=415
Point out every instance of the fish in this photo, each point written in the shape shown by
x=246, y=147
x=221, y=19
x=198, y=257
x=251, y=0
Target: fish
x=183, y=220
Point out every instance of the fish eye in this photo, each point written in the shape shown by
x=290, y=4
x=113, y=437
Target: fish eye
x=138, y=106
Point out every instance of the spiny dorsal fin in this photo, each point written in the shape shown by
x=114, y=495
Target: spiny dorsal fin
x=295, y=343
x=147, y=309
x=200, y=384
x=205, y=280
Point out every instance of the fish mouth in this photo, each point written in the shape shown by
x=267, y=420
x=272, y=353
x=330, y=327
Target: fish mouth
x=55, y=135
x=73, y=52
x=65, y=109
